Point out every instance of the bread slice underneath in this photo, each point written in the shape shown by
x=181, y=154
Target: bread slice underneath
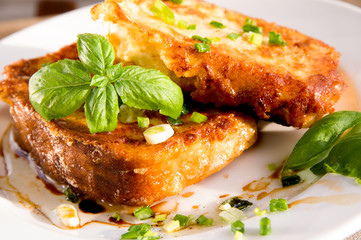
x=294, y=85
x=119, y=166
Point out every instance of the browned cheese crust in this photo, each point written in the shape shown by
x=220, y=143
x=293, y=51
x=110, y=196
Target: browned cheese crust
x=294, y=85
x=119, y=166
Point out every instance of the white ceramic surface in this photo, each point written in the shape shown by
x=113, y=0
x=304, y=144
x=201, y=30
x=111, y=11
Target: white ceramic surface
x=336, y=209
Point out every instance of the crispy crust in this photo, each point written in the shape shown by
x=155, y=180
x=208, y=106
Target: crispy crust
x=119, y=166
x=294, y=85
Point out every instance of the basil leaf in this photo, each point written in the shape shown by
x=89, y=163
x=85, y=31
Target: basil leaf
x=149, y=89
x=96, y=52
x=315, y=144
x=114, y=72
x=344, y=158
x=101, y=109
x=99, y=81
x=59, y=89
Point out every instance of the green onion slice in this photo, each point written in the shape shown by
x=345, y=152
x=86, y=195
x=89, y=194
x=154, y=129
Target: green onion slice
x=204, y=221
x=198, y=117
x=183, y=220
x=143, y=122
x=159, y=218
x=275, y=39
x=143, y=213
x=278, y=204
x=202, y=47
x=177, y=1
x=162, y=11
x=182, y=24
x=233, y=36
x=117, y=216
x=265, y=226
x=217, y=24
x=237, y=226
x=192, y=27
x=70, y=195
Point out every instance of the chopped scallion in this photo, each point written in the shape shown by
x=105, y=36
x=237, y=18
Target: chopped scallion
x=252, y=28
x=236, y=202
x=217, y=24
x=160, y=218
x=265, y=226
x=171, y=226
x=275, y=39
x=192, y=27
x=182, y=24
x=215, y=39
x=278, y=204
x=202, y=39
x=238, y=235
x=183, y=220
x=70, y=195
x=143, y=213
x=237, y=226
x=158, y=134
x=136, y=231
x=202, y=47
x=233, y=36
x=249, y=21
x=290, y=180
x=259, y=212
x=143, y=122
x=198, y=117
x=255, y=38
x=204, y=221
x=177, y=1
x=162, y=11
x=116, y=216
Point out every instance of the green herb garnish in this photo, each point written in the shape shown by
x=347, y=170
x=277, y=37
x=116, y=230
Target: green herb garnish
x=183, y=220
x=160, y=218
x=250, y=26
x=162, y=11
x=116, y=216
x=202, y=39
x=275, y=39
x=204, y=221
x=278, y=204
x=237, y=226
x=177, y=1
x=143, y=122
x=182, y=24
x=143, y=213
x=233, y=36
x=59, y=89
x=70, y=195
x=192, y=27
x=217, y=24
x=202, y=47
x=265, y=226
x=140, y=232
x=198, y=117
x=328, y=147
x=238, y=203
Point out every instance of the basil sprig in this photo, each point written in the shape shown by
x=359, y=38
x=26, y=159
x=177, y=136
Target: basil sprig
x=59, y=89
x=333, y=144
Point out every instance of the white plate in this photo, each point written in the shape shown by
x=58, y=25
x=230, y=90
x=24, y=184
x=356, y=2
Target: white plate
x=336, y=209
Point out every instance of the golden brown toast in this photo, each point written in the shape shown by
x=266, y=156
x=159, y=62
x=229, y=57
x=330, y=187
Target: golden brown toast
x=294, y=85
x=119, y=166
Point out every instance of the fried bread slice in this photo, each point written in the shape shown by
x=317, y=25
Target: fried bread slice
x=294, y=85
x=119, y=166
